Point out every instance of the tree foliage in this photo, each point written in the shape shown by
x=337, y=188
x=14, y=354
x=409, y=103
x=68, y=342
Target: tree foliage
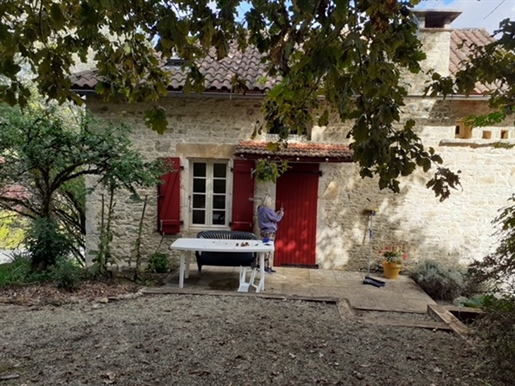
x=44, y=162
x=350, y=52
x=492, y=65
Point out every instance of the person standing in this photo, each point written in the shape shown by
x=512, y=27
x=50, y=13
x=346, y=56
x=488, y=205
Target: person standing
x=268, y=219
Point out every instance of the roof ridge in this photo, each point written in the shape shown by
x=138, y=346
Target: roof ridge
x=472, y=29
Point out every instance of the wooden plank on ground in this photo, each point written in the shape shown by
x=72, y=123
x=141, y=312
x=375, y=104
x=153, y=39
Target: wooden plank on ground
x=404, y=323
x=164, y=290
x=383, y=309
x=441, y=313
x=457, y=309
x=345, y=309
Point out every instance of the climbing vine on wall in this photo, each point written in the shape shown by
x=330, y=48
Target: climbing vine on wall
x=268, y=170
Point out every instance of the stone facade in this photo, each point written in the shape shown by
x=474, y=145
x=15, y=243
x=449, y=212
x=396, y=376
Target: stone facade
x=457, y=229
x=200, y=128
x=438, y=43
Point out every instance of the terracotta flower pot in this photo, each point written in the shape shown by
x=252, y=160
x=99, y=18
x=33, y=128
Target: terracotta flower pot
x=391, y=270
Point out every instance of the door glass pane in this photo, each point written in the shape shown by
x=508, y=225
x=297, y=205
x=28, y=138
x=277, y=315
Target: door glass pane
x=199, y=201
x=218, y=202
x=199, y=217
x=218, y=217
x=199, y=169
x=219, y=186
x=199, y=185
x=219, y=170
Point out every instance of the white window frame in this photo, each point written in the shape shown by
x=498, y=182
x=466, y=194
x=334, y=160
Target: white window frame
x=209, y=193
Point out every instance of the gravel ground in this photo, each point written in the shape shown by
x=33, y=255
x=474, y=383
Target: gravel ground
x=221, y=340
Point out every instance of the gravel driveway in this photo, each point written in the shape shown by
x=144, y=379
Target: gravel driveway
x=209, y=340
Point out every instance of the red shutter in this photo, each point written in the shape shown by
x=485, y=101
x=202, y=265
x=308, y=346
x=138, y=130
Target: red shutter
x=243, y=196
x=169, y=200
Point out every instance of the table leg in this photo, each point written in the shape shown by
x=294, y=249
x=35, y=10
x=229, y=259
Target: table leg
x=244, y=285
x=182, y=268
x=188, y=258
x=261, y=285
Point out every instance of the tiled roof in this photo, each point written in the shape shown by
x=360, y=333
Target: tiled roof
x=15, y=191
x=85, y=80
x=218, y=74
x=296, y=151
x=461, y=42
x=248, y=66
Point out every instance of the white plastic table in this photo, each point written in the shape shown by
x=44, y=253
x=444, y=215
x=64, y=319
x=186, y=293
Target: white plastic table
x=188, y=245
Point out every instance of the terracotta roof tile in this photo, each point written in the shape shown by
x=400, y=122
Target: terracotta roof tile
x=303, y=150
x=462, y=41
x=85, y=80
x=218, y=74
x=249, y=67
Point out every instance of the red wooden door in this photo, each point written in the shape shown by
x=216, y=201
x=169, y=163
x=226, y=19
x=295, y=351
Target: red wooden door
x=297, y=190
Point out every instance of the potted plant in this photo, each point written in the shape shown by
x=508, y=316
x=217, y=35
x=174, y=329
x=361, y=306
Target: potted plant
x=392, y=260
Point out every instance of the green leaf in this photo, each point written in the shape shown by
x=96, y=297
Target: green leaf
x=155, y=119
x=57, y=16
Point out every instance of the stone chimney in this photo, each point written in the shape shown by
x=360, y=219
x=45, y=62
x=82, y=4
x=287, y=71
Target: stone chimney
x=431, y=19
x=435, y=35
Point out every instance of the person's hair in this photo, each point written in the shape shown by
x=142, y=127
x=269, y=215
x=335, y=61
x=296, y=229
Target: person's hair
x=267, y=201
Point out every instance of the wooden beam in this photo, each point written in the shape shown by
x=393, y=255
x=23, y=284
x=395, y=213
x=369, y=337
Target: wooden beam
x=441, y=313
x=182, y=291
x=456, y=309
x=345, y=309
x=404, y=323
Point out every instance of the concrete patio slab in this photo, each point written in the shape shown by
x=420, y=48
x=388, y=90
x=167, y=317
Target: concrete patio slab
x=401, y=295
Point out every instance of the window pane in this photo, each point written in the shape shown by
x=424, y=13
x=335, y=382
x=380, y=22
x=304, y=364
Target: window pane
x=199, y=201
x=199, y=185
x=209, y=206
x=219, y=170
x=199, y=169
x=219, y=186
x=218, y=202
x=199, y=217
x=219, y=217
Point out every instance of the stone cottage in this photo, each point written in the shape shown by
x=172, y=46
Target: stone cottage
x=326, y=223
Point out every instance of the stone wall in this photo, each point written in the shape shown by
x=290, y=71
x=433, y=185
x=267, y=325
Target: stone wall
x=436, y=45
x=199, y=128
x=457, y=229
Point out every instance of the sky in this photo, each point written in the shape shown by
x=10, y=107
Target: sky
x=476, y=13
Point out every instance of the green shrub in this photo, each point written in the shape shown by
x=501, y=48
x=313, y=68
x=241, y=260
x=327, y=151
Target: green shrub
x=476, y=301
x=496, y=329
x=158, y=263
x=46, y=244
x=17, y=271
x=438, y=280
x=66, y=274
